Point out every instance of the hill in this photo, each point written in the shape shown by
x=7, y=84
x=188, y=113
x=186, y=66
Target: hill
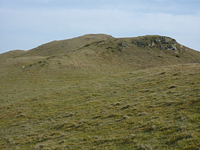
x=101, y=93
x=65, y=46
x=11, y=54
x=99, y=51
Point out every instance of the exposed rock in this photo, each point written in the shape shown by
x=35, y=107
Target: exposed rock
x=152, y=44
x=139, y=44
x=123, y=45
x=142, y=43
x=120, y=44
x=134, y=42
x=156, y=40
x=161, y=47
x=172, y=46
x=161, y=42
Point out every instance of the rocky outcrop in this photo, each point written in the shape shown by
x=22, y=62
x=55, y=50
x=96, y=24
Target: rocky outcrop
x=161, y=42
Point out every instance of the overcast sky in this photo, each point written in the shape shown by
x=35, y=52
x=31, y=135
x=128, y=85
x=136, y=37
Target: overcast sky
x=26, y=24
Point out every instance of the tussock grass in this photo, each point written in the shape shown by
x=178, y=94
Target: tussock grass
x=154, y=108
x=100, y=97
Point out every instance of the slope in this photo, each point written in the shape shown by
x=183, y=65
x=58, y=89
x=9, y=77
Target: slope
x=154, y=108
x=13, y=60
x=11, y=54
x=99, y=58
x=100, y=51
x=64, y=46
x=116, y=93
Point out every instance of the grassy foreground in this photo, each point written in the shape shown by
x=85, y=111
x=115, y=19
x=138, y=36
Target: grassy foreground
x=156, y=108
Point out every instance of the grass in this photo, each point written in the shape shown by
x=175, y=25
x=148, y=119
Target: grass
x=96, y=98
x=147, y=109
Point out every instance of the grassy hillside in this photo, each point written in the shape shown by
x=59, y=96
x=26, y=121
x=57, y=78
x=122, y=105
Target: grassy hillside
x=65, y=46
x=11, y=54
x=115, y=93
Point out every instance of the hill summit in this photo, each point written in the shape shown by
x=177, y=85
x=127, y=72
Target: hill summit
x=100, y=50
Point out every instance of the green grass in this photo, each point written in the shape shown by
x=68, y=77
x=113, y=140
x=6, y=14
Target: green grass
x=98, y=97
x=154, y=108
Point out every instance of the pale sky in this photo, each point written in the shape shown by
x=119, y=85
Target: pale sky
x=26, y=24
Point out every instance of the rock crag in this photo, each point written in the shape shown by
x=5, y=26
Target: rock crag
x=161, y=42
